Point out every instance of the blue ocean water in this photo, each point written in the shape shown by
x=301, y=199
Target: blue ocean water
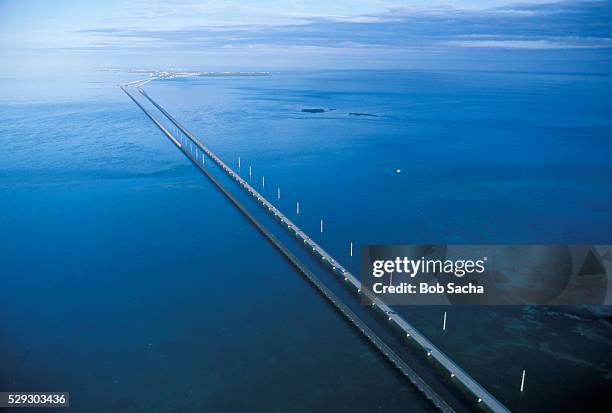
x=127, y=274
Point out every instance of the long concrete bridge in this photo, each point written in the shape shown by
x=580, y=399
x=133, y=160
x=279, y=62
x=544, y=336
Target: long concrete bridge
x=480, y=394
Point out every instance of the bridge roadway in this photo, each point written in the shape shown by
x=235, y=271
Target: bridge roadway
x=335, y=301
x=457, y=373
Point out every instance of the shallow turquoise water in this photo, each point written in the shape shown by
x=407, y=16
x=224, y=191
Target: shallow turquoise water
x=127, y=274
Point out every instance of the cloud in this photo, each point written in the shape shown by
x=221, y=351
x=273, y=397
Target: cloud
x=534, y=44
x=542, y=26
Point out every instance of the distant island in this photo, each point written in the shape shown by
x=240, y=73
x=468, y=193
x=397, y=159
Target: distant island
x=223, y=74
x=323, y=110
x=174, y=74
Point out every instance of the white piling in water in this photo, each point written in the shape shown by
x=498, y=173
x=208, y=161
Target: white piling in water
x=203, y=158
x=321, y=226
x=351, y=249
x=239, y=162
x=263, y=181
x=444, y=322
x=523, y=381
x=250, y=172
x=297, y=208
x=278, y=193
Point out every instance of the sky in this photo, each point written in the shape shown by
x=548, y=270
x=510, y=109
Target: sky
x=270, y=34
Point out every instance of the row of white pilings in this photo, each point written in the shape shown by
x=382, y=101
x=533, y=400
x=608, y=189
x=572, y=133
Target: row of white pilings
x=321, y=228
